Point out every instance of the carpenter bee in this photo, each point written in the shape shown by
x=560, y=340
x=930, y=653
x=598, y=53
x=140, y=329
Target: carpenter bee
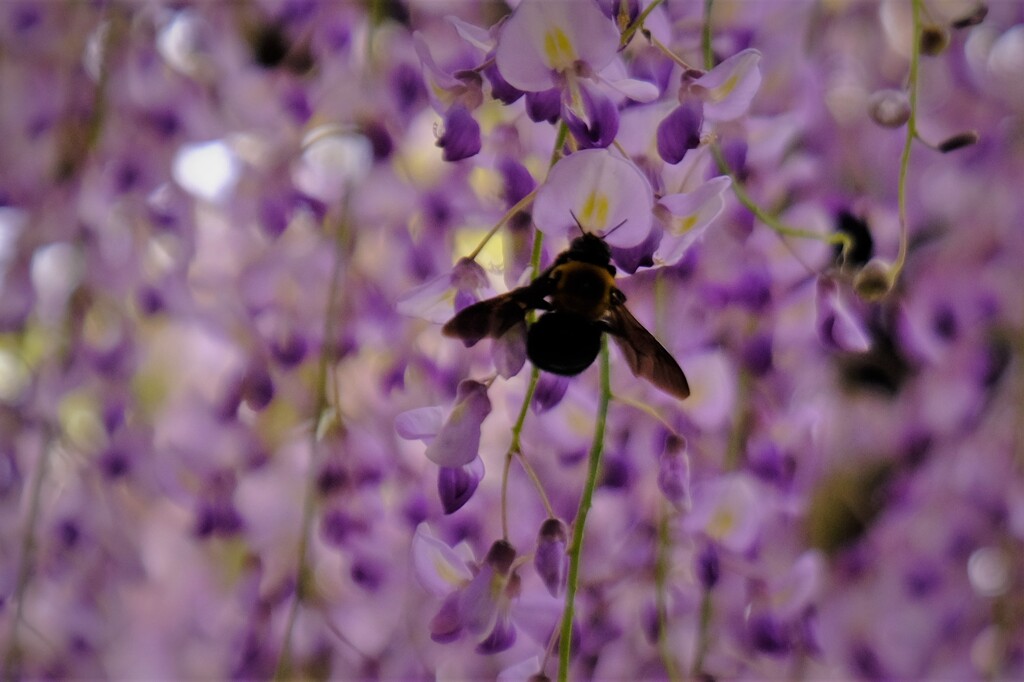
x=580, y=302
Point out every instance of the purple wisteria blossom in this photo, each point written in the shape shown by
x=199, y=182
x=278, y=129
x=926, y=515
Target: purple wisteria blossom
x=235, y=444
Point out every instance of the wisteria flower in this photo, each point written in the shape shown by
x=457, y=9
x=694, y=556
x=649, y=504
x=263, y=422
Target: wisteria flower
x=222, y=226
x=543, y=43
x=457, y=440
x=727, y=510
x=477, y=599
x=728, y=89
x=561, y=48
x=607, y=194
x=686, y=216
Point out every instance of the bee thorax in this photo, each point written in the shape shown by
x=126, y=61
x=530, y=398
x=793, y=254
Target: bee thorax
x=582, y=289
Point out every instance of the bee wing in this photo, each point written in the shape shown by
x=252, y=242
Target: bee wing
x=647, y=358
x=495, y=316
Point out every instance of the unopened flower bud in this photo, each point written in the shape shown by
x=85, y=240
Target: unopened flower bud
x=550, y=558
x=889, y=108
x=674, y=469
x=708, y=567
x=456, y=485
x=958, y=141
x=934, y=40
x=500, y=557
x=874, y=281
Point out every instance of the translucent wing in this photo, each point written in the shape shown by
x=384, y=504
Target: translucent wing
x=493, y=317
x=646, y=357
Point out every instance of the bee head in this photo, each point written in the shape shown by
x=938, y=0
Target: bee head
x=589, y=248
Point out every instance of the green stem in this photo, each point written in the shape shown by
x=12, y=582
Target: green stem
x=586, y=499
x=627, y=35
x=915, y=58
x=282, y=669
x=519, y=206
x=515, y=448
x=702, y=634
x=25, y=559
x=738, y=189
x=741, y=423
x=705, y=36
x=768, y=219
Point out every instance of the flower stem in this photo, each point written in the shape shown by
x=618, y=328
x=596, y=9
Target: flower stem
x=702, y=634
x=705, y=36
x=519, y=206
x=25, y=558
x=738, y=189
x=282, y=669
x=515, y=449
x=915, y=58
x=627, y=35
x=586, y=498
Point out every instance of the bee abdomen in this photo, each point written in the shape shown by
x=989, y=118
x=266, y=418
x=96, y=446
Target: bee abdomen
x=563, y=343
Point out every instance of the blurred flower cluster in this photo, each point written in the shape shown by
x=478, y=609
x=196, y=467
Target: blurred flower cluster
x=235, y=444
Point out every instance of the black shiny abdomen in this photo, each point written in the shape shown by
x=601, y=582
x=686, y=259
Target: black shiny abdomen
x=563, y=343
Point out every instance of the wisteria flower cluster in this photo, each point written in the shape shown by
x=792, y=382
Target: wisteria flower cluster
x=235, y=443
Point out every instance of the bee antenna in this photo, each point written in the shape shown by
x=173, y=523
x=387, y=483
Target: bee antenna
x=614, y=228
x=578, y=223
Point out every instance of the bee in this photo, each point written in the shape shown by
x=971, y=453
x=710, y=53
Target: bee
x=580, y=302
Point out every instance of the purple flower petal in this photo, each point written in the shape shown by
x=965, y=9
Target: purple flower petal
x=597, y=124
x=543, y=38
x=545, y=105
x=729, y=88
x=727, y=510
x=456, y=485
x=437, y=566
x=421, y=423
x=837, y=326
x=501, y=638
x=446, y=625
x=688, y=216
x=550, y=558
x=679, y=132
x=458, y=441
x=501, y=90
x=461, y=136
x=606, y=193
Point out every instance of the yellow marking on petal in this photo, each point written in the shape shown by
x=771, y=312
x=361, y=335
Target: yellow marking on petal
x=595, y=210
x=684, y=225
x=726, y=88
x=558, y=49
x=447, y=572
x=80, y=421
x=722, y=523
